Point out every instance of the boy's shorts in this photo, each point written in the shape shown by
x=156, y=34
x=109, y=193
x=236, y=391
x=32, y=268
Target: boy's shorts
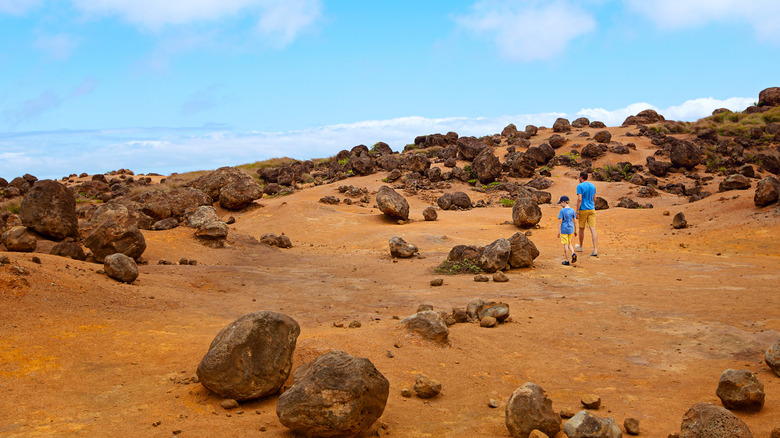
x=587, y=218
x=567, y=239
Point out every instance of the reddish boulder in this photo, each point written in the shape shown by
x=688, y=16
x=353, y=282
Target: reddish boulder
x=49, y=208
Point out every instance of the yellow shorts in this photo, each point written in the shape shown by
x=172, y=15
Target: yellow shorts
x=567, y=239
x=587, y=218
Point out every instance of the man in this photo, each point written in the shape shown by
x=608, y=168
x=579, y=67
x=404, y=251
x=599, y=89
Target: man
x=586, y=211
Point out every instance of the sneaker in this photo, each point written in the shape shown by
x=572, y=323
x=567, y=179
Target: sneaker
x=565, y=263
x=594, y=254
x=577, y=248
x=573, y=259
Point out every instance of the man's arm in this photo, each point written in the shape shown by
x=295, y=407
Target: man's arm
x=579, y=203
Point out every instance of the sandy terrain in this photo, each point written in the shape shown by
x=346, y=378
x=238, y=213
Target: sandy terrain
x=649, y=325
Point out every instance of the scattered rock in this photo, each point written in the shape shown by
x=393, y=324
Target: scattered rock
x=586, y=425
x=116, y=232
x=561, y=125
x=495, y=256
x=429, y=214
x=767, y=192
x=486, y=166
x=526, y=212
x=628, y=203
x=679, y=222
x=740, y=390
x=332, y=200
x=734, y=182
x=251, y=357
x=601, y=203
x=772, y=357
x=392, y=204
x=528, y=409
x=165, y=224
x=238, y=194
x=69, y=248
x=355, y=324
x=401, y=249
x=429, y=325
x=120, y=267
x=568, y=412
x=684, y=154
x=603, y=137
x=426, y=387
x=522, y=251
x=229, y=403
x=591, y=401
x=709, y=420
x=631, y=425
x=17, y=239
x=49, y=208
x=437, y=282
x=488, y=322
x=538, y=434
x=645, y=117
x=481, y=278
x=335, y=395
x=406, y=393
x=212, y=230
x=277, y=241
x=500, y=277
x=497, y=310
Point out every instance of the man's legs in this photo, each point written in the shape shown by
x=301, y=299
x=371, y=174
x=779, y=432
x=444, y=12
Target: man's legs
x=595, y=240
x=582, y=238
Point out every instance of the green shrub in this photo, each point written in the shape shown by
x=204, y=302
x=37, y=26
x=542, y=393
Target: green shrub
x=343, y=161
x=507, y=202
x=466, y=266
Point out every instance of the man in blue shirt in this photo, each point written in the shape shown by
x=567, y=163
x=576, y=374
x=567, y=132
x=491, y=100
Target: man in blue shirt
x=586, y=211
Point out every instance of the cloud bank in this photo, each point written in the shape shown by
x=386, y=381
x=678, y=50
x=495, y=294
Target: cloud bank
x=166, y=150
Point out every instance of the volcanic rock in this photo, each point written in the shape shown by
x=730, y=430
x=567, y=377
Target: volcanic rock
x=165, y=224
x=426, y=387
x=601, y=203
x=522, y=251
x=631, y=425
x=556, y=141
x=277, y=241
x=602, y=137
x=497, y=310
x=628, y=203
x=711, y=421
x=500, y=277
x=120, y=267
x=740, y=390
x=215, y=229
x=495, y=256
x=392, y=204
x=586, y=425
x=182, y=199
x=251, y=357
x=679, y=222
x=430, y=214
x=461, y=200
x=486, y=166
x=429, y=325
x=17, y=239
x=561, y=125
x=734, y=182
x=528, y=409
x=769, y=97
x=772, y=357
x=336, y=395
x=526, y=212
x=401, y=249
x=580, y=122
x=767, y=192
x=49, y=208
x=470, y=147
x=645, y=117
x=488, y=322
x=116, y=232
x=417, y=162
x=69, y=248
x=684, y=154
x=238, y=194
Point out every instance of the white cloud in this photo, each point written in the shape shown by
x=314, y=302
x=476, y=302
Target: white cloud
x=688, y=111
x=59, y=46
x=762, y=15
x=528, y=30
x=281, y=21
x=18, y=7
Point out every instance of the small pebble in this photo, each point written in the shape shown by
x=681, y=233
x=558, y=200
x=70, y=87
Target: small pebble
x=437, y=282
x=228, y=403
x=568, y=412
x=406, y=392
x=631, y=425
x=390, y=354
x=492, y=403
x=355, y=324
x=591, y=401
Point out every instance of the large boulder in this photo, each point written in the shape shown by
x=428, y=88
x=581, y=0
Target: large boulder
x=495, y=257
x=120, y=267
x=526, y=212
x=238, y=194
x=486, y=166
x=561, y=125
x=429, y=325
x=769, y=97
x=49, y=208
x=523, y=251
x=212, y=183
x=460, y=200
x=581, y=122
x=212, y=230
x=417, y=162
x=684, y=154
x=17, y=239
x=69, y=248
x=493, y=309
x=712, y=421
x=251, y=357
x=772, y=357
x=658, y=168
x=336, y=395
x=392, y=204
x=116, y=232
x=586, y=425
x=679, y=222
x=603, y=137
x=740, y=390
x=556, y=141
x=154, y=204
x=182, y=199
x=470, y=147
x=401, y=249
x=529, y=408
x=509, y=131
x=199, y=216
x=734, y=182
x=645, y=117
x=767, y=192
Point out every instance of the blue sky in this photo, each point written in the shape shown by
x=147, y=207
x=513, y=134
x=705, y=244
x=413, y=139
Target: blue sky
x=96, y=85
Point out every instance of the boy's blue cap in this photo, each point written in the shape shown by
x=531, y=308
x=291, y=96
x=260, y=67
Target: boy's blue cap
x=563, y=198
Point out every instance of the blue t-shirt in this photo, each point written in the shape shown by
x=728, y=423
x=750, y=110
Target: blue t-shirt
x=588, y=192
x=567, y=225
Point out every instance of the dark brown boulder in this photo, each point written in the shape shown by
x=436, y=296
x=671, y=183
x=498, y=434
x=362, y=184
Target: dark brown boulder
x=684, y=154
x=154, y=204
x=363, y=165
x=603, y=137
x=336, y=395
x=592, y=150
x=495, y=257
x=679, y=221
x=20, y=184
x=767, y=192
x=486, y=166
x=645, y=117
x=212, y=230
x=531, y=130
x=238, y=194
x=586, y=425
x=461, y=200
x=601, y=203
x=417, y=162
x=182, y=199
x=388, y=162
x=430, y=214
x=556, y=141
x=740, y=390
x=658, y=168
x=199, y=216
x=734, y=182
x=116, y=232
x=381, y=148
x=470, y=147
x=772, y=358
x=529, y=409
x=580, y=122
x=49, y=208
x=212, y=182
x=459, y=253
x=429, y=325
x=628, y=203
x=768, y=162
x=392, y=204
x=526, y=212
x=17, y=239
x=597, y=125
x=165, y=224
x=251, y=357
x=277, y=241
x=769, y=97
x=561, y=125
x=522, y=251
x=445, y=201
x=509, y=131
x=120, y=267
x=711, y=421
x=69, y=248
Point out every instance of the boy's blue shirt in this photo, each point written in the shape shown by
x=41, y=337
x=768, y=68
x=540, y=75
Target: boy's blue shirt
x=567, y=225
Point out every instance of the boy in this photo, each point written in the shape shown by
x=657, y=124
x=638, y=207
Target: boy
x=566, y=230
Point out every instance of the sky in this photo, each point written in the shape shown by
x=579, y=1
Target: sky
x=174, y=86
